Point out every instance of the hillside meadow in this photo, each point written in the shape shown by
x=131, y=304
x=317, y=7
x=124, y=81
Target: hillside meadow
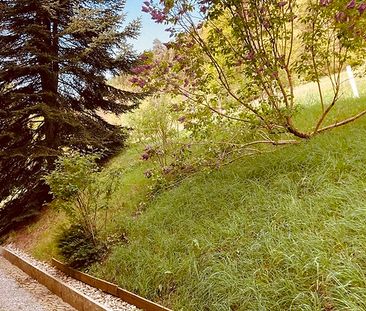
x=283, y=230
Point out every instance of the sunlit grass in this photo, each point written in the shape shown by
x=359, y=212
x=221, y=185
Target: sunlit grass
x=309, y=108
x=308, y=94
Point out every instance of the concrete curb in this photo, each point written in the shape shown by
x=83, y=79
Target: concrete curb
x=68, y=294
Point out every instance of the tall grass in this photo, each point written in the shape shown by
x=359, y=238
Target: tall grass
x=281, y=231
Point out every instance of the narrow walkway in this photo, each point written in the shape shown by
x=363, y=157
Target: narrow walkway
x=19, y=292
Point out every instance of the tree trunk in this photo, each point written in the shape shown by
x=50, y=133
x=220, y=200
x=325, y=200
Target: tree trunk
x=49, y=78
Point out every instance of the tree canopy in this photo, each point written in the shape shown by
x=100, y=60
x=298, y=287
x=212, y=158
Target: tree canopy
x=250, y=55
x=55, y=57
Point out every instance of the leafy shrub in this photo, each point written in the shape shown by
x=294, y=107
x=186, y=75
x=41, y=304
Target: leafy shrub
x=159, y=127
x=156, y=125
x=82, y=191
x=179, y=139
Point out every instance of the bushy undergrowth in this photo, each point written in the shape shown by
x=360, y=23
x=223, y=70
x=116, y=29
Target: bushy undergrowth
x=79, y=249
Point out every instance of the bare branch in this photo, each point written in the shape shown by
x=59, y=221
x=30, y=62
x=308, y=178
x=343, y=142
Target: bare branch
x=344, y=122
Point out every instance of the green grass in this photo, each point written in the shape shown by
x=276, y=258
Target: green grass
x=307, y=93
x=279, y=231
x=307, y=97
x=130, y=196
x=40, y=237
x=307, y=117
x=46, y=247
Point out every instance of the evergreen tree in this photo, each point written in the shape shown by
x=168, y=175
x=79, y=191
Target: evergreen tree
x=55, y=56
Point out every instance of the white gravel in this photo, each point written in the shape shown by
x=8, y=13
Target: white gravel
x=19, y=292
x=109, y=301
x=13, y=297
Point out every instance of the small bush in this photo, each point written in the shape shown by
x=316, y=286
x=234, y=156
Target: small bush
x=83, y=192
x=79, y=249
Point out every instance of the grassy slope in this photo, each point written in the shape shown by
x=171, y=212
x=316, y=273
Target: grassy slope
x=281, y=231
x=39, y=237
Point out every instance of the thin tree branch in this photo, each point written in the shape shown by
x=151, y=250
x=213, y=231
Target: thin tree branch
x=344, y=122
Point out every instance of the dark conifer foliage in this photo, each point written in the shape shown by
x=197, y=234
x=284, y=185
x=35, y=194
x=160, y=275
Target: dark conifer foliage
x=55, y=56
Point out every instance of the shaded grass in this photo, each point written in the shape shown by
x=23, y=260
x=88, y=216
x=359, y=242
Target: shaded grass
x=47, y=248
x=40, y=237
x=282, y=231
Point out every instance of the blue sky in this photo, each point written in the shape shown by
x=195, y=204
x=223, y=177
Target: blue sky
x=150, y=30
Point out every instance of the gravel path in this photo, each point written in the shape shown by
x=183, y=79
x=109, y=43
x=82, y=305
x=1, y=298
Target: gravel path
x=19, y=292
x=110, y=302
